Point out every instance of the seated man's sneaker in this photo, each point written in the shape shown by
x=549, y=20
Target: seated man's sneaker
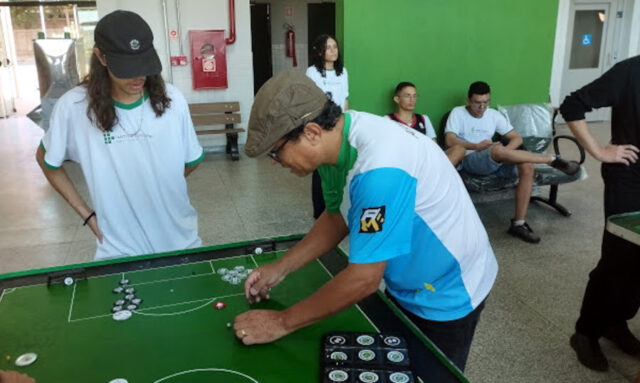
x=589, y=352
x=623, y=338
x=523, y=232
x=567, y=167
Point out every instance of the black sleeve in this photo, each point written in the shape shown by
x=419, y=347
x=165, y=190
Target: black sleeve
x=604, y=91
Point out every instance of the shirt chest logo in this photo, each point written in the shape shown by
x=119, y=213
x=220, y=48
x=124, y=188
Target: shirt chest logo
x=372, y=219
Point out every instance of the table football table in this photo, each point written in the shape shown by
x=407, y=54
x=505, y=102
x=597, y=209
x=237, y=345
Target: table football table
x=178, y=327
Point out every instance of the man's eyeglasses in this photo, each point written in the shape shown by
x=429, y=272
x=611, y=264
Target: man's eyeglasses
x=274, y=153
x=409, y=96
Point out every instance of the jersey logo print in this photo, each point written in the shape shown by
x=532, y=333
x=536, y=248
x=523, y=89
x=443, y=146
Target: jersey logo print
x=429, y=287
x=372, y=219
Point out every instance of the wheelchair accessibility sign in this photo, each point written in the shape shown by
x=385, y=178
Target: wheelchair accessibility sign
x=586, y=40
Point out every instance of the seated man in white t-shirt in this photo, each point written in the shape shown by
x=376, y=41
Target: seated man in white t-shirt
x=473, y=127
x=405, y=97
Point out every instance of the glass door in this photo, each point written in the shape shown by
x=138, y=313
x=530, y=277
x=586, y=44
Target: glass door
x=589, y=51
x=7, y=69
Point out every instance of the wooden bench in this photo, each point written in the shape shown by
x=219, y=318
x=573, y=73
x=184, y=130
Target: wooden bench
x=207, y=115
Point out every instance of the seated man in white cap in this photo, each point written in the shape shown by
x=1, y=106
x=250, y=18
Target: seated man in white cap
x=394, y=192
x=134, y=140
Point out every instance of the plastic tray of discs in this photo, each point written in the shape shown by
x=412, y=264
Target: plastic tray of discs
x=365, y=357
x=359, y=375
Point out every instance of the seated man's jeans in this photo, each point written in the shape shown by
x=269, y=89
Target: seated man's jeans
x=480, y=163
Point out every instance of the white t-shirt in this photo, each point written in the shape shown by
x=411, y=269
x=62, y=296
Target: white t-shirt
x=431, y=132
x=337, y=87
x=405, y=204
x=135, y=173
x=473, y=129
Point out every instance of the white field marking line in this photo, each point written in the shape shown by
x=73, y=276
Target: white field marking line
x=6, y=291
x=73, y=296
x=207, y=369
x=163, y=306
x=188, y=276
x=357, y=306
x=160, y=281
x=93, y=317
x=169, y=279
x=140, y=271
x=210, y=300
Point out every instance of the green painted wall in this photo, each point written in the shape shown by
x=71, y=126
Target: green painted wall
x=444, y=45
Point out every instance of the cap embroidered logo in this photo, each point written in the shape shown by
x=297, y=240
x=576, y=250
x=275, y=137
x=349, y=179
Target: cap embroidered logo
x=134, y=44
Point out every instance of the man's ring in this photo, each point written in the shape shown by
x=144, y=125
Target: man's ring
x=243, y=333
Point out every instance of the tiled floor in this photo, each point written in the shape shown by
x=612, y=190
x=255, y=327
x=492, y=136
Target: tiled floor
x=523, y=332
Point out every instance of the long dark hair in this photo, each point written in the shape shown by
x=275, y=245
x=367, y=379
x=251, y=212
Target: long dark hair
x=319, y=48
x=101, y=109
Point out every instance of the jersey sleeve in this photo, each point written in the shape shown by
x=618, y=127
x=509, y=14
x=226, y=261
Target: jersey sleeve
x=431, y=132
x=603, y=91
x=313, y=74
x=346, y=84
x=454, y=123
x=381, y=215
x=193, y=151
x=502, y=124
x=56, y=142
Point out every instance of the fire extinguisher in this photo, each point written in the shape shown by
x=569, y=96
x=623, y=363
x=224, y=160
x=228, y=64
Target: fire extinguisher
x=290, y=37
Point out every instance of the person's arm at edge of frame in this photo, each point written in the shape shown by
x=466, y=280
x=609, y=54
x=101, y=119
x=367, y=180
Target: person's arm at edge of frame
x=352, y=284
x=626, y=154
x=60, y=181
x=15, y=377
x=328, y=230
x=603, y=91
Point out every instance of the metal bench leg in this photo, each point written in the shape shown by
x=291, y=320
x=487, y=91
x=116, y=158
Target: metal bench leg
x=553, y=201
x=232, y=144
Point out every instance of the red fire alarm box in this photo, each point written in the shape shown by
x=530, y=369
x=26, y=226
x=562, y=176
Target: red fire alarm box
x=208, y=59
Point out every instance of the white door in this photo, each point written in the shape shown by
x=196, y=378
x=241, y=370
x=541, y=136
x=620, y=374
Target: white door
x=590, y=44
x=7, y=68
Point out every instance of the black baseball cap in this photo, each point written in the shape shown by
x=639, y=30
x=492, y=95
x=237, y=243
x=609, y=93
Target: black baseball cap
x=126, y=41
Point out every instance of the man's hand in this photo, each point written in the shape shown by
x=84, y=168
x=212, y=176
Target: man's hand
x=15, y=377
x=259, y=326
x=482, y=145
x=261, y=280
x=624, y=154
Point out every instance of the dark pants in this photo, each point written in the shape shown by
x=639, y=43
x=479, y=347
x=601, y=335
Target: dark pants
x=612, y=295
x=453, y=338
x=316, y=194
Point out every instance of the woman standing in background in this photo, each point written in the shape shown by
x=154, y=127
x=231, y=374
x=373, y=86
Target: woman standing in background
x=330, y=75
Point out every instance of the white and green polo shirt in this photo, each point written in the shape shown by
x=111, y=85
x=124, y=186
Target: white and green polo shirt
x=135, y=173
x=405, y=204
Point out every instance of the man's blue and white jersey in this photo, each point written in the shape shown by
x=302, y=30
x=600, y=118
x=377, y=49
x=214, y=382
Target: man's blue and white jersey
x=405, y=204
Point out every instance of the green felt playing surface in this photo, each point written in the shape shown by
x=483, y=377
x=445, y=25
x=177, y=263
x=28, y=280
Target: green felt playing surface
x=176, y=335
x=626, y=226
